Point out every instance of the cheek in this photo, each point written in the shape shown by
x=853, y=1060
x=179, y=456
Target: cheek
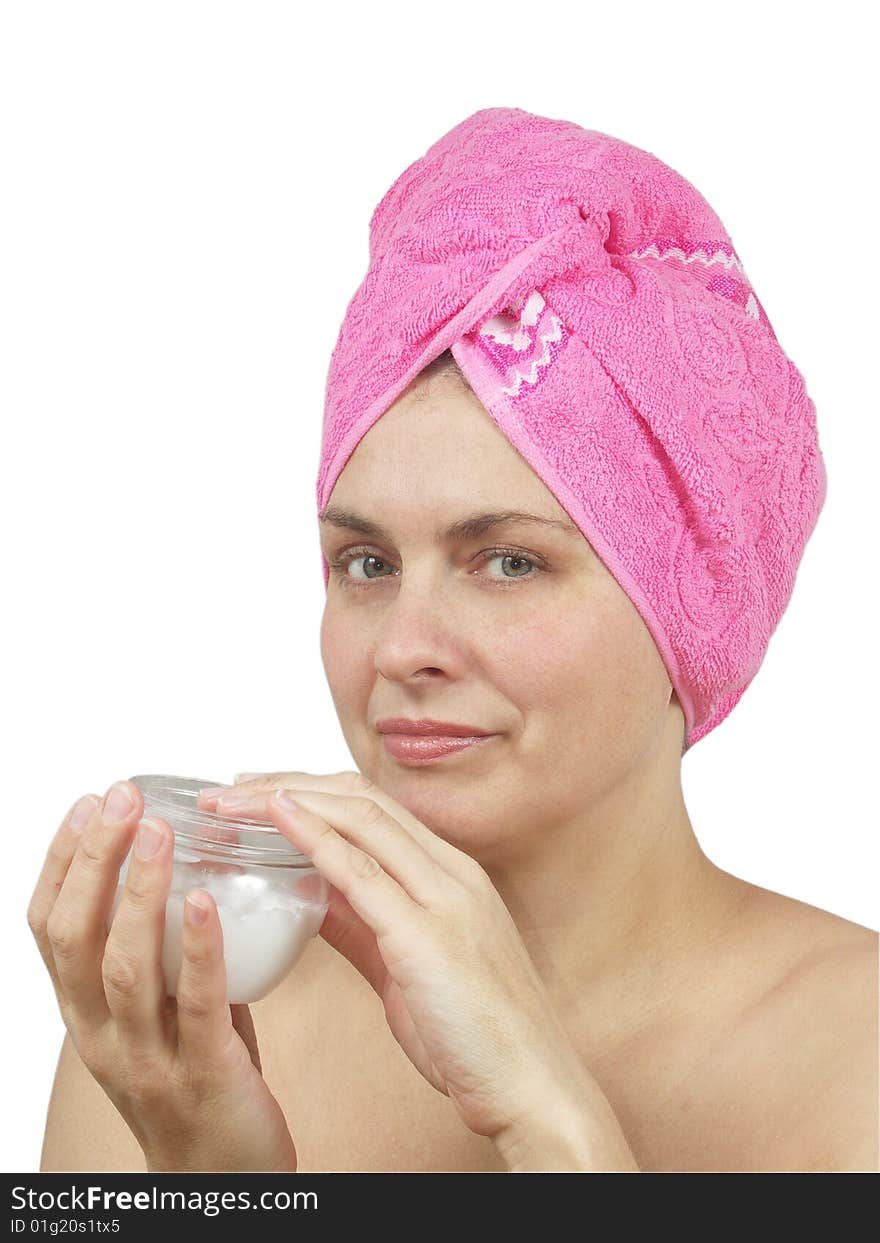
x=590, y=679
x=556, y=661
x=341, y=654
x=533, y=663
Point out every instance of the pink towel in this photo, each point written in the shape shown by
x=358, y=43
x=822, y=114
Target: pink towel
x=597, y=308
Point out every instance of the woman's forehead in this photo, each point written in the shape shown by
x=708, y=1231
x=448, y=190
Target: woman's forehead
x=444, y=450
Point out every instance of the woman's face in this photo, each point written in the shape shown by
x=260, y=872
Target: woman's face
x=547, y=653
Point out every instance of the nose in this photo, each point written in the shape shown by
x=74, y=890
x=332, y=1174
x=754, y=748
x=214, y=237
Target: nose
x=419, y=635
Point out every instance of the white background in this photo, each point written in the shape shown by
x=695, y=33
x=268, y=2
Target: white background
x=187, y=189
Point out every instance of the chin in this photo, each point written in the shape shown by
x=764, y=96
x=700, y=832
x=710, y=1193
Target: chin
x=468, y=829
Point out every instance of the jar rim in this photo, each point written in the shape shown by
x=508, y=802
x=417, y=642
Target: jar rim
x=175, y=799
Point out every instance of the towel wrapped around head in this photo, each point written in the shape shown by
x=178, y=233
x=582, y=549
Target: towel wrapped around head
x=596, y=306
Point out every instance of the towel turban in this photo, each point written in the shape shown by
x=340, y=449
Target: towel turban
x=597, y=308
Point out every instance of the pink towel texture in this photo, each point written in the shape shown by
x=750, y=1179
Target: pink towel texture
x=597, y=308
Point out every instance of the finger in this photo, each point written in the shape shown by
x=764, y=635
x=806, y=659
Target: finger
x=449, y=857
x=367, y=826
x=134, y=981
x=376, y=895
x=264, y=781
x=347, y=933
x=55, y=867
x=78, y=925
x=204, y=1020
x=207, y=797
x=255, y=783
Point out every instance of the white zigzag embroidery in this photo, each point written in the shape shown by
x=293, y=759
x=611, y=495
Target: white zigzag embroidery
x=699, y=256
x=518, y=339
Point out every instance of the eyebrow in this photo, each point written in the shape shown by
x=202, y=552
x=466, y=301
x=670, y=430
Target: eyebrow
x=463, y=529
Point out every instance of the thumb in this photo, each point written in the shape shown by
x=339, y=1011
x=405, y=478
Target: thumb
x=354, y=939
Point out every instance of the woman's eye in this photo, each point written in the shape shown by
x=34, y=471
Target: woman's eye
x=362, y=559
x=516, y=561
x=373, y=567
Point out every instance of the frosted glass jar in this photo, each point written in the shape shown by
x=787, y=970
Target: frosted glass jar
x=270, y=898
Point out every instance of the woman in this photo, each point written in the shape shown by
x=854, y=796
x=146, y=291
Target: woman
x=549, y=973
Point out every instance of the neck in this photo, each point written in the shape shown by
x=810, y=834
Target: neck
x=619, y=908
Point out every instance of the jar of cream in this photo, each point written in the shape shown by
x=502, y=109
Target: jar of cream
x=270, y=898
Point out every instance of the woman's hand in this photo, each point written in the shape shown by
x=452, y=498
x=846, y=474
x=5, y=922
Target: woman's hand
x=423, y=923
x=184, y=1072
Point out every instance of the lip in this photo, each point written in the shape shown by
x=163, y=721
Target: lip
x=418, y=749
x=429, y=728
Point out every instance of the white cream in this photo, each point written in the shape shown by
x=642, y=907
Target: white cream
x=265, y=926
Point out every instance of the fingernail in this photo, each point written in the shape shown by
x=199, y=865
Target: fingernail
x=286, y=800
x=82, y=813
x=213, y=791
x=196, y=913
x=117, y=804
x=228, y=801
x=148, y=840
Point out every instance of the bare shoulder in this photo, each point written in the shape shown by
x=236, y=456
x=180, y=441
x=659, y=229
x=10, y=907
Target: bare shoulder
x=826, y=954
x=825, y=1012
